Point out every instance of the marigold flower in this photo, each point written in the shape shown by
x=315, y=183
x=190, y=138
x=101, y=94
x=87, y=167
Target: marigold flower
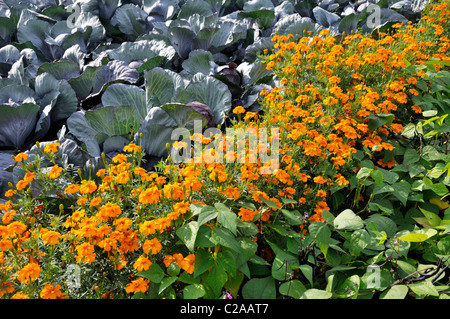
x=150, y=195
x=95, y=201
x=10, y=193
x=119, y=158
x=29, y=273
x=138, y=285
x=52, y=292
x=147, y=227
x=7, y=287
x=319, y=180
x=81, y=201
x=131, y=148
x=86, y=253
x=122, y=224
x=52, y=147
x=109, y=210
x=20, y=295
x=142, y=263
x=5, y=244
x=20, y=157
x=51, y=237
x=341, y=180
x=247, y=214
x=416, y=109
x=55, y=172
x=321, y=193
x=87, y=187
x=232, y=192
x=16, y=228
x=188, y=263
x=152, y=246
x=72, y=188
x=177, y=257
x=182, y=207
x=238, y=110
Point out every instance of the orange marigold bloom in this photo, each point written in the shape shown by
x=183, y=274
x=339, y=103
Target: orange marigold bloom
x=87, y=187
x=150, y=195
x=20, y=157
x=182, y=207
x=95, y=201
x=122, y=224
x=232, y=192
x=29, y=273
x=16, y=228
x=7, y=287
x=122, y=178
x=142, y=263
x=177, y=257
x=81, y=201
x=20, y=295
x=110, y=210
x=55, y=172
x=108, y=244
x=319, y=180
x=321, y=193
x=341, y=180
x=119, y=158
x=152, y=246
x=131, y=148
x=72, y=188
x=51, y=237
x=52, y=292
x=247, y=214
x=188, y=263
x=86, y=252
x=416, y=109
x=8, y=216
x=52, y=147
x=147, y=227
x=138, y=285
x=238, y=110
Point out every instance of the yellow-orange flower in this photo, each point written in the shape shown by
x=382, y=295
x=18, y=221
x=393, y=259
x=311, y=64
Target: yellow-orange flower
x=20, y=295
x=86, y=253
x=119, y=158
x=87, y=187
x=238, y=110
x=188, y=263
x=247, y=214
x=131, y=148
x=150, y=195
x=142, y=263
x=20, y=157
x=55, y=172
x=51, y=237
x=52, y=147
x=72, y=188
